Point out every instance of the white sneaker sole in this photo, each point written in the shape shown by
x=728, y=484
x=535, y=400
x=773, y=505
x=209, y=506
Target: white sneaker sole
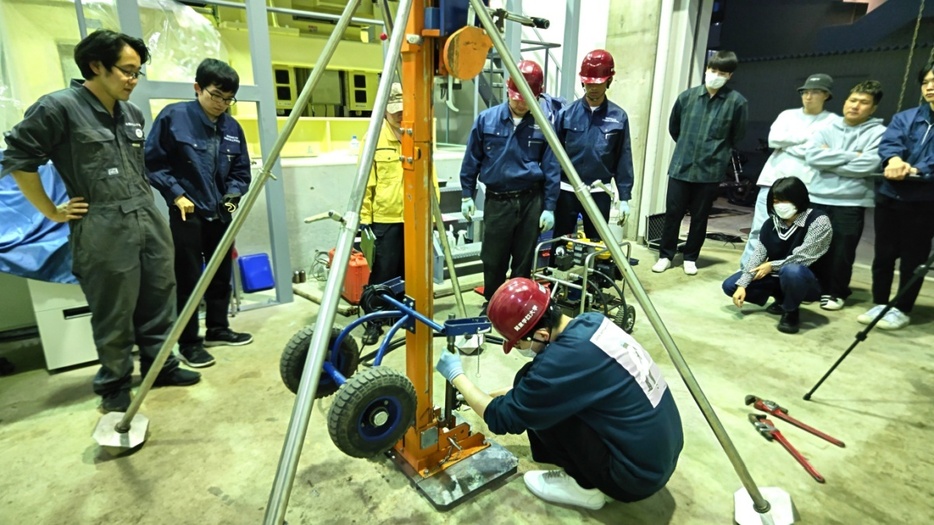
x=592, y=506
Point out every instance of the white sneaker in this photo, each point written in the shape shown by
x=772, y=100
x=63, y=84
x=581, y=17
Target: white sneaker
x=690, y=267
x=557, y=487
x=893, y=320
x=663, y=264
x=866, y=318
x=829, y=302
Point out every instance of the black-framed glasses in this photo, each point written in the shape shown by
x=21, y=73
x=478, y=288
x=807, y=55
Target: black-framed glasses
x=220, y=98
x=129, y=73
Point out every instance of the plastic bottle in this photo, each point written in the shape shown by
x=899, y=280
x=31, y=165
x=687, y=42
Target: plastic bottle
x=354, y=145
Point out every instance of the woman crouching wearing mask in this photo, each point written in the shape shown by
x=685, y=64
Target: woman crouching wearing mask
x=791, y=240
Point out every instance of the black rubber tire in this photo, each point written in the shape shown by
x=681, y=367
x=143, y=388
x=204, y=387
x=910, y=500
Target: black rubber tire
x=292, y=362
x=626, y=318
x=355, y=420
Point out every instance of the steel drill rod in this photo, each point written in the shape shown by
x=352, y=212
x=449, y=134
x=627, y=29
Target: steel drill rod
x=317, y=348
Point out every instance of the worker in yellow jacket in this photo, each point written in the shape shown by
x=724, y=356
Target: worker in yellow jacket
x=382, y=204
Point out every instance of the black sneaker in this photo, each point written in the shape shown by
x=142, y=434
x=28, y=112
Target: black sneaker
x=177, y=377
x=226, y=337
x=775, y=308
x=788, y=324
x=195, y=356
x=372, y=334
x=116, y=401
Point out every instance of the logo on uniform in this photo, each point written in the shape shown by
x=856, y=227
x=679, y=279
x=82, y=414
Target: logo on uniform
x=139, y=133
x=610, y=119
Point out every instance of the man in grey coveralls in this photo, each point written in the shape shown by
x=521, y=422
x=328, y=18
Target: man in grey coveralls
x=121, y=244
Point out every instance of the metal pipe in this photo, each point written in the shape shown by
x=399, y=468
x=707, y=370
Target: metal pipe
x=446, y=248
x=304, y=398
x=296, y=12
x=82, y=21
x=583, y=194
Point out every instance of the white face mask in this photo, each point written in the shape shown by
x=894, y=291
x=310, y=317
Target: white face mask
x=785, y=210
x=713, y=80
x=526, y=352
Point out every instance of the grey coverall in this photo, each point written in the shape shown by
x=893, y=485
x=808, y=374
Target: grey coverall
x=122, y=248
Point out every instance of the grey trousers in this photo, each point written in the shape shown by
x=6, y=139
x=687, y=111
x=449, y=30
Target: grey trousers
x=123, y=257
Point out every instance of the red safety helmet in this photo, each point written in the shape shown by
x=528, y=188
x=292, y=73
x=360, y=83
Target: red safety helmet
x=533, y=75
x=597, y=67
x=516, y=308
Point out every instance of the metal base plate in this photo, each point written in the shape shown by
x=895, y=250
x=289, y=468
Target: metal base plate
x=106, y=436
x=455, y=484
x=782, y=511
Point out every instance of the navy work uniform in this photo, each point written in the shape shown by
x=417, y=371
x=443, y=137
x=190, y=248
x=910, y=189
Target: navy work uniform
x=122, y=248
x=521, y=177
x=207, y=162
x=597, y=142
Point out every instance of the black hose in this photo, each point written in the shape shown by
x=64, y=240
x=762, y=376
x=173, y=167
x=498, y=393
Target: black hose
x=597, y=289
x=613, y=284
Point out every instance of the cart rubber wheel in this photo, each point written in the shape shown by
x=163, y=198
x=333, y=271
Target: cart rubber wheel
x=626, y=318
x=292, y=362
x=371, y=412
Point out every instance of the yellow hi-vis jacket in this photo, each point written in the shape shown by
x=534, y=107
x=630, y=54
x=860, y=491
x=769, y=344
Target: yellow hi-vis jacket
x=382, y=202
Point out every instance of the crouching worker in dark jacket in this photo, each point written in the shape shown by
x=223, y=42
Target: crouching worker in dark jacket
x=592, y=401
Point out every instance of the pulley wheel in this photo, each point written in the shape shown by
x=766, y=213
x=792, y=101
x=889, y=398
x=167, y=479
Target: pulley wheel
x=465, y=52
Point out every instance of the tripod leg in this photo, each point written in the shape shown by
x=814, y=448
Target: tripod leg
x=920, y=271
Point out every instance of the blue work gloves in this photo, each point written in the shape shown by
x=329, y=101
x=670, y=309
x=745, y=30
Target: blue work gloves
x=546, y=221
x=449, y=365
x=468, y=208
x=623, y=207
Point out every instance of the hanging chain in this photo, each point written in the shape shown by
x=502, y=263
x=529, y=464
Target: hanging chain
x=911, y=51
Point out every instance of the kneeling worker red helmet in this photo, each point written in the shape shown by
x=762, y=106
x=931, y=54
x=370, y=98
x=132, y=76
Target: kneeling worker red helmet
x=516, y=308
x=533, y=75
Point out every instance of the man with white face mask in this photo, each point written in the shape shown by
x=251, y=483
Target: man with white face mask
x=591, y=400
x=706, y=123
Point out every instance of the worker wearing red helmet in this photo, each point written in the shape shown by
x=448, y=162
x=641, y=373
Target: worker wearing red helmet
x=506, y=151
x=595, y=133
x=592, y=401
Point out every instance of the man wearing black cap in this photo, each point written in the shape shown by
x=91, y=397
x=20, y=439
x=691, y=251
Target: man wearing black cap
x=788, y=137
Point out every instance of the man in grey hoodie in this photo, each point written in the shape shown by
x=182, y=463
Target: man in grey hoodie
x=845, y=155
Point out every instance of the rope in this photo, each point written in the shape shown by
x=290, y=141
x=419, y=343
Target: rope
x=911, y=51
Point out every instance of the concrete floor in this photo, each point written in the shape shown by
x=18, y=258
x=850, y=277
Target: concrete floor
x=214, y=447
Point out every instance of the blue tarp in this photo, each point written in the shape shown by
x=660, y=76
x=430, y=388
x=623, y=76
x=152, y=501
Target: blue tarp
x=30, y=245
